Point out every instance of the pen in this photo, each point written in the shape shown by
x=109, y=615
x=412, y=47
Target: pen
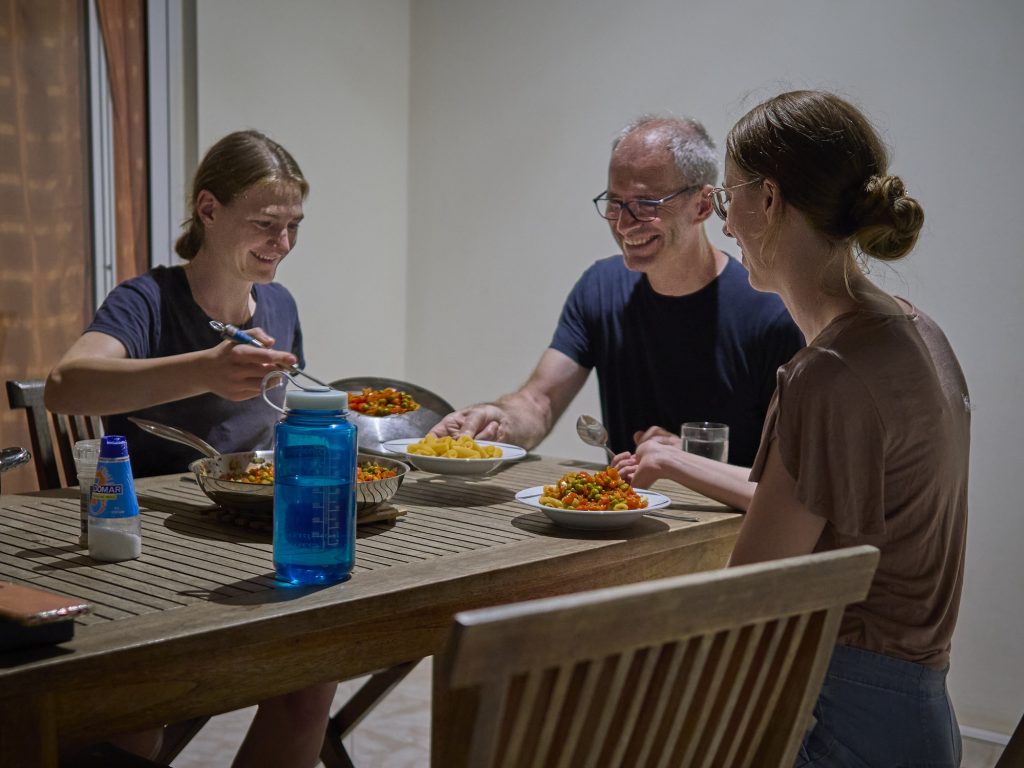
x=235, y=334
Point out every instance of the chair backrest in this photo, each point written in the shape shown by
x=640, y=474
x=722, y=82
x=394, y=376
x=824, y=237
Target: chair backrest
x=720, y=668
x=47, y=446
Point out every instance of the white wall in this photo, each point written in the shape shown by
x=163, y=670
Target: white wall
x=328, y=79
x=507, y=110
x=513, y=108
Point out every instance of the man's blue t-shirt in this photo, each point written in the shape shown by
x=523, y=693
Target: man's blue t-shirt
x=154, y=315
x=711, y=355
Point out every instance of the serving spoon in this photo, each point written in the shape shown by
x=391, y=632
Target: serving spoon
x=592, y=432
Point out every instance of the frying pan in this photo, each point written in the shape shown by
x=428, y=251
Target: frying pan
x=259, y=497
x=376, y=430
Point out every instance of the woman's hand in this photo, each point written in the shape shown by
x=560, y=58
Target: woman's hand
x=657, y=458
x=235, y=371
x=659, y=435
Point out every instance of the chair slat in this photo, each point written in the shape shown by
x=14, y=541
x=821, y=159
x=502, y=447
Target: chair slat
x=771, y=639
x=747, y=643
x=52, y=435
x=557, y=701
x=687, y=685
x=588, y=673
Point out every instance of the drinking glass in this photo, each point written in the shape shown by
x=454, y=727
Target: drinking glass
x=87, y=456
x=706, y=438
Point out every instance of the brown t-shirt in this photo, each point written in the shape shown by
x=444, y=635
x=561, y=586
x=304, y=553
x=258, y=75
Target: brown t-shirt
x=872, y=420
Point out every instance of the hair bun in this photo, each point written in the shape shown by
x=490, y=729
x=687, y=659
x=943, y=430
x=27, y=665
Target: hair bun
x=889, y=220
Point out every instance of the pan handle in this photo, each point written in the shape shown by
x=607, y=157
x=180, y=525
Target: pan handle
x=175, y=435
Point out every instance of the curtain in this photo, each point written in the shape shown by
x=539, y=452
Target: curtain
x=45, y=288
x=123, y=26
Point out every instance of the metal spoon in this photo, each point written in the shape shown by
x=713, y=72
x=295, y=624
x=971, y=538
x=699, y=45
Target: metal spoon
x=592, y=432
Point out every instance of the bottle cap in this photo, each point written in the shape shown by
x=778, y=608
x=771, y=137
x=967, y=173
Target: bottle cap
x=113, y=447
x=318, y=399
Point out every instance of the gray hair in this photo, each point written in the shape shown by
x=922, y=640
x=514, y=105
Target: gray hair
x=693, y=150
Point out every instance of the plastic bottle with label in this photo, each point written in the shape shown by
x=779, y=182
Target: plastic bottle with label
x=115, y=531
x=315, y=457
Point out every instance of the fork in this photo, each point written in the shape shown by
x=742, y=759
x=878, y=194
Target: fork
x=667, y=516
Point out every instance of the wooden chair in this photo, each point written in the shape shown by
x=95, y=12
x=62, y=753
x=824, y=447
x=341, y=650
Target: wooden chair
x=66, y=431
x=720, y=668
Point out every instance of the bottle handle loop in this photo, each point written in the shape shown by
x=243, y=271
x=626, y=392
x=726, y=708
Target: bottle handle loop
x=289, y=378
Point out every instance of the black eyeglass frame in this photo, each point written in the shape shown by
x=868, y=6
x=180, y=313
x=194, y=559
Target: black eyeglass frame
x=627, y=205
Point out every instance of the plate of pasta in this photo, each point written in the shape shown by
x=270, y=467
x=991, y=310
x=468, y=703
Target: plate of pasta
x=454, y=456
x=599, y=501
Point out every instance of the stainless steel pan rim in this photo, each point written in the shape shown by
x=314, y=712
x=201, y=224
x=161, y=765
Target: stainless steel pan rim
x=374, y=431
x=256, y=498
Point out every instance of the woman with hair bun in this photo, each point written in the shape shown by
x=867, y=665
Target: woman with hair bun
x=867, y=438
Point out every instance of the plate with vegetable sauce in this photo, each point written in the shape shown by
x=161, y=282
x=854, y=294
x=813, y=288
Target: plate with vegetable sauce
x=599, y=501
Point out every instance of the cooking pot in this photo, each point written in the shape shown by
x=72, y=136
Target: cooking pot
x=259, y=497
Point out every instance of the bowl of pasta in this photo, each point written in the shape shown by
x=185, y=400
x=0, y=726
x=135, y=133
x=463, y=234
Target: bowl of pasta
x=601, y=501
x=454, y=456
x=388, y=409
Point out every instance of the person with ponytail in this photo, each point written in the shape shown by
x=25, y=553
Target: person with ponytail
x=867, y=438
x=150, y=352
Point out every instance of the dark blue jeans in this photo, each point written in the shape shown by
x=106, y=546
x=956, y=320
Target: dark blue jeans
x=877, y=711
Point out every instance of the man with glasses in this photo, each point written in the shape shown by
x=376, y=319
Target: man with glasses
x=671, y=325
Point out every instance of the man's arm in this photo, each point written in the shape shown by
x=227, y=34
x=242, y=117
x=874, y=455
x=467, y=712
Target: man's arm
x=523, y=417
x=96, y=377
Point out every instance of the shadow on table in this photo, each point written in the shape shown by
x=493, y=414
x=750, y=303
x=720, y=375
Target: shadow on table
x=538, y=523
x=81, y=557
x=258, y=590
x=456, y=491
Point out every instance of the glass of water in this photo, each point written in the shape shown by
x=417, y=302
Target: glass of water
x=706, y=438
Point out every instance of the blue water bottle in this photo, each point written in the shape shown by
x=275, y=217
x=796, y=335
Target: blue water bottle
x=315, y=457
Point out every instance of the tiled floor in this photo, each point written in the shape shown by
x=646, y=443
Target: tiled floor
x=397, y=733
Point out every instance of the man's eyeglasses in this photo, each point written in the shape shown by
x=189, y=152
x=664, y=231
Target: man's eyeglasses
x=720, y=198
x=642, y=210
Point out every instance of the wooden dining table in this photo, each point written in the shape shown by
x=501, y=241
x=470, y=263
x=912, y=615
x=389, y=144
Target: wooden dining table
x=199, y=625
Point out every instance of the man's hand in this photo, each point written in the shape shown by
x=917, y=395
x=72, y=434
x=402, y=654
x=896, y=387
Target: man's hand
x=485, y=421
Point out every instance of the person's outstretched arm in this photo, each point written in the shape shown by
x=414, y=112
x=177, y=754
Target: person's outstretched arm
x=96, y=376
x=660, y=457
x=523, y=417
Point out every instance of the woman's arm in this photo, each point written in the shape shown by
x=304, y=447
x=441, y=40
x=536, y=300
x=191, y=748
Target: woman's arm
x=777, y=524
x=660, y=457
x=96, y=377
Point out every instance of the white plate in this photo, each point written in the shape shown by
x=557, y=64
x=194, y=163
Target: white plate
x=592, y=521
x=445, y=466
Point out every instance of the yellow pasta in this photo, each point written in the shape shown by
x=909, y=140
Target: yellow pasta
x=463, y=447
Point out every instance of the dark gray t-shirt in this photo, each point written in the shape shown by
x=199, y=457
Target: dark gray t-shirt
x=154, y=315
x=711, y=355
